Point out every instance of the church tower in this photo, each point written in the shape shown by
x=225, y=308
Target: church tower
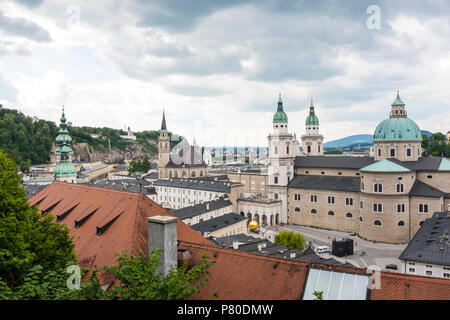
x=281, y=159
x=312, y=140
x=163, y=149
x=64, y=169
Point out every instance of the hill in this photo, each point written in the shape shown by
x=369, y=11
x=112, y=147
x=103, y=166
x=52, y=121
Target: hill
x=357, y=140
x=29, y=140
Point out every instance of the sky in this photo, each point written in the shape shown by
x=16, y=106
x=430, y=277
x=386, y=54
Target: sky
x=216, y=67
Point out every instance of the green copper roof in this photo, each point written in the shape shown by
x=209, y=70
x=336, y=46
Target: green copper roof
x=397, y=129
x=384, y=166
x=65, y=168
x=398, y=101
x=280, y=115
x=445, y=165
x=312, y=118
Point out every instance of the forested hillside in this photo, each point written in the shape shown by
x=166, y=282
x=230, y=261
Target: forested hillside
x=29, y=140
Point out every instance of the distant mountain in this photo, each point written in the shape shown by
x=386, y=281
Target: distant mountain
x=357, y=139
x=363, y=139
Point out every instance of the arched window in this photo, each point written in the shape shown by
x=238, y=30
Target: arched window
x=276, y=150
x=313, y=211
x=297, y=209
x=170, y=174
x=401, y=223
x=420, y=223
x=349, y=215
x=330, y=213
x=201, y=173
x=309, y=149
x=361, y=219
x=377, y=223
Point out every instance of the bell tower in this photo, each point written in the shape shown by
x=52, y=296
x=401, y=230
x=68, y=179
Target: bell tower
x=281, y=159
x=163, y=149
x=312, y=140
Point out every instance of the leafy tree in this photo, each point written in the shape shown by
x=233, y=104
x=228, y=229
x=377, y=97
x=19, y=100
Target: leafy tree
x=435, y=145
x=291, y=240
x=140, y=281
x=26, y=237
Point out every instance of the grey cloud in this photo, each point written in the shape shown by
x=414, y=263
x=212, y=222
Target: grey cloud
x=196, y=91
x=23, y=28
x=30, y=3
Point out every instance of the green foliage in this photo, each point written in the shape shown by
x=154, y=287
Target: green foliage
x=140, y=281
x=26, y=138
x=333, y=152
x=291, y=240
x=435, y=145
x=26, y=237
x=318, y=295
x=139, y=166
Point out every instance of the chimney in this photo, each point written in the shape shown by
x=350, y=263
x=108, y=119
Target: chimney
x=162, y=234
x=207, y=206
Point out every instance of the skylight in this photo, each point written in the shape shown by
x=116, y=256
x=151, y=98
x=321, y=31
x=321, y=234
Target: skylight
x=336, y=285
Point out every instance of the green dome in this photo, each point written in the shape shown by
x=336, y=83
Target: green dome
x=280, y=116
x=312, y=119
x=394, y=129
x=63, y=138
x=65, y=168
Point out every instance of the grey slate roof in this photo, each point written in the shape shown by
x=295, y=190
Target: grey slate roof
x=218, y=223
x=423, y=164
x=348, y=162
x=326, y=183
x=201, y=208
x=341, y=162
x=425, y=246
x=133, y=185
x=227, y=242
x=421, y=189
x=214, y=186
x=32, y=189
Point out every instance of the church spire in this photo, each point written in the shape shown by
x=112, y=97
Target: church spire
x=163, y=124
x=64, y=169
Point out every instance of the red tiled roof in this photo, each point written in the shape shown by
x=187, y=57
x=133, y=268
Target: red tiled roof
x=238, y=275
x=395, y=286
x=129, y=230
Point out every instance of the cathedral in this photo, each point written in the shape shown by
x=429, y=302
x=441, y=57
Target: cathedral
x=383, y=198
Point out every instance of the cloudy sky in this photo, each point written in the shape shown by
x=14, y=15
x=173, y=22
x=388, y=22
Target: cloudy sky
x=216, y=66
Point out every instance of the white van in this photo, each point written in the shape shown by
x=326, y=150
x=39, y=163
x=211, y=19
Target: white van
x=323, y=249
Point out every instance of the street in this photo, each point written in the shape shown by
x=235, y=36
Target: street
x=380, y=254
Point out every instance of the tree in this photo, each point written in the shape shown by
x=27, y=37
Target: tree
x=333, y=152
x=26, y=237
x=139, y=280
x=291, y=240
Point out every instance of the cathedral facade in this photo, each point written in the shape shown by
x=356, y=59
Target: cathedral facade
x=384, y=198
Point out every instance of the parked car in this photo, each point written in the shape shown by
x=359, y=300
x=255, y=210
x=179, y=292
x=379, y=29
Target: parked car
x=323, y=249
x=392, y=266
